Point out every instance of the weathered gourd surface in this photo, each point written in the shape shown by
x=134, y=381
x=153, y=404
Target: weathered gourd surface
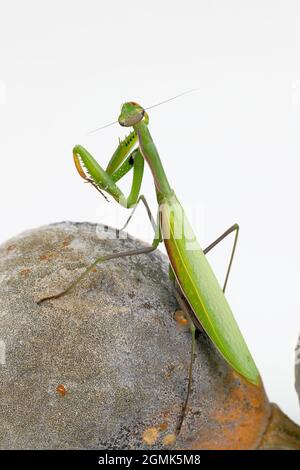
x=106, y=365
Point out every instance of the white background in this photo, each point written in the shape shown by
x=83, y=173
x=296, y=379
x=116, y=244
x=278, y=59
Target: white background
x=231, y=150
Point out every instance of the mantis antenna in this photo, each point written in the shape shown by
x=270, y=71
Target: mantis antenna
x=149, y=107
x=173, y=98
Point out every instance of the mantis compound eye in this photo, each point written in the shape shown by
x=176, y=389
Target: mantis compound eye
x=131, y=114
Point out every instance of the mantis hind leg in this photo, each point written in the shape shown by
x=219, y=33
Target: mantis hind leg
x=191, y=318
x=186, y=309
x=234, y=228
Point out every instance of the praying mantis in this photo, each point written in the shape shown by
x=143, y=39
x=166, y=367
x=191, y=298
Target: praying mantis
x=196, y=287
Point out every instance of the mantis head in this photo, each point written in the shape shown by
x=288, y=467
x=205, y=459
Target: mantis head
x=131, y=114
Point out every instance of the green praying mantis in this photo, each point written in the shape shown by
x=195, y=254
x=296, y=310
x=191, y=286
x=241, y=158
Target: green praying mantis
x=197, y=289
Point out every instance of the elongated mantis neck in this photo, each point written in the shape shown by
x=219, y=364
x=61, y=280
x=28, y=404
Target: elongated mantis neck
x=151, y=155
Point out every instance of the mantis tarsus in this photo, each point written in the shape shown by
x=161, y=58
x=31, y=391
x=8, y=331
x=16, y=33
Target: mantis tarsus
x=196, y=287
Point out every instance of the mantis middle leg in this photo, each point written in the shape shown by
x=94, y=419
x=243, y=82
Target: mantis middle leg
x=107, y=181
x=101, y=259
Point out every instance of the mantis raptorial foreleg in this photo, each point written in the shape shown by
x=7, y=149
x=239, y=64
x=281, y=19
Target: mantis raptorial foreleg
x=118, y=167
x=204, y=303
x=107, y=181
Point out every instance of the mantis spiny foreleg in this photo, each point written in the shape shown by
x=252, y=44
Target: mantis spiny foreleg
x=118, y=167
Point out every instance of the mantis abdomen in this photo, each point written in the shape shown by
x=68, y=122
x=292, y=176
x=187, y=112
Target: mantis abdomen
x=202, y=290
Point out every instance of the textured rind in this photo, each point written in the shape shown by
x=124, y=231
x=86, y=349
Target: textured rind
x=115, y=348
x=297, y=368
